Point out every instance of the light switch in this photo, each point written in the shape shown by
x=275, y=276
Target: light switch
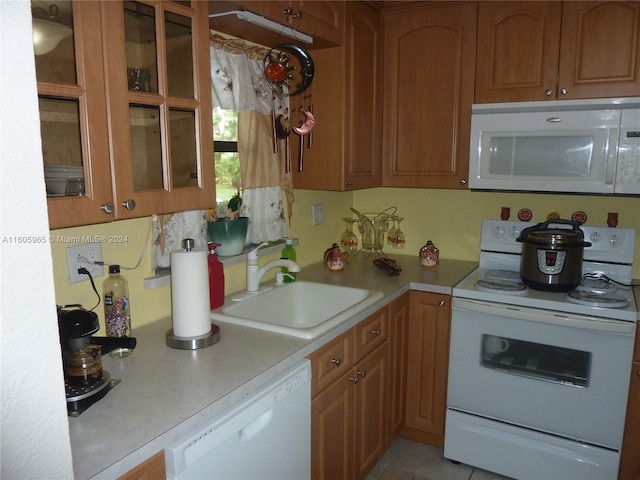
x=317, y=214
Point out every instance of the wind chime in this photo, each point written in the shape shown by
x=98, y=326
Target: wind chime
x=289, y=71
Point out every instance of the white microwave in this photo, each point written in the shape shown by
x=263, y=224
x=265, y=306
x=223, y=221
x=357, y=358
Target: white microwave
x=570, y=146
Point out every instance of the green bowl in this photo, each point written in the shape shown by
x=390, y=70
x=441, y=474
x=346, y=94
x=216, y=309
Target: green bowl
x=230, y=234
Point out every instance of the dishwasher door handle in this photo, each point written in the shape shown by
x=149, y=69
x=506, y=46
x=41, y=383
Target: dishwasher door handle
x=256, y=426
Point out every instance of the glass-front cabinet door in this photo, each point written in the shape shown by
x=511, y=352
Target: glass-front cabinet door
x=158, y=89
x=73, y=113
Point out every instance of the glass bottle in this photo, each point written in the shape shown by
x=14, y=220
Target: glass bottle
x=117, y=312
x=290, y=253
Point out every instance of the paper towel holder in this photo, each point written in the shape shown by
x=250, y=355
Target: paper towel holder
x=200, y=341
x=194, y=343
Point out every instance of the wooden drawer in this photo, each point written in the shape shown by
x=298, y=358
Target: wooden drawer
x=331, y=361
x=371, y=333
x=152, y=468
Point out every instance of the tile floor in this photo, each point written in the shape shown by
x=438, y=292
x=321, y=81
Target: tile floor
x=428, y=461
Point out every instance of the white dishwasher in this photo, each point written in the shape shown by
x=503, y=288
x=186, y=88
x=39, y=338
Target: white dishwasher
x=266, y=437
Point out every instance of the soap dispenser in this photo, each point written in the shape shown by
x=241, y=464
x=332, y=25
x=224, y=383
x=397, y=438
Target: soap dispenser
x=216, y=278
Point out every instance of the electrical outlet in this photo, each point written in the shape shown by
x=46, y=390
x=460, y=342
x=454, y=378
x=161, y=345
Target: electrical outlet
x=83, y=256
x=317, y=214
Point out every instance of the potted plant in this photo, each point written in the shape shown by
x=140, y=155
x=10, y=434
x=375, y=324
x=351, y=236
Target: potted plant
x=226, y=227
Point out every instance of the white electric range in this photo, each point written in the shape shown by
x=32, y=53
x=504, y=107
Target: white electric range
x=538, y=380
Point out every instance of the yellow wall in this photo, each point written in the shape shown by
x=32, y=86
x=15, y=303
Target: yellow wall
x=451, y=219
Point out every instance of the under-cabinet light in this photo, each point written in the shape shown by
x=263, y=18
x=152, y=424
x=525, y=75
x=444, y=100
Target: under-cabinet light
x=266, y=23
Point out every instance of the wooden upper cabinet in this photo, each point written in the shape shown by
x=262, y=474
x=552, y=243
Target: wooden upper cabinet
x=126, y=101
x=159, y=96
x=517, y=51
x=600, y=49
x=322, y=19
x=531, y=51
x=429, y=54
x=346, y=96
x=363, y=97
x=73, y=119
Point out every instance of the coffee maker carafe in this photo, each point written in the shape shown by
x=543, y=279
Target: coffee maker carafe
x=85, y=380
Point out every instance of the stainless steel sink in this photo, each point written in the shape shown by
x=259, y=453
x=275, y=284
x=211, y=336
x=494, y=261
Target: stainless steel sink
x=300, y=309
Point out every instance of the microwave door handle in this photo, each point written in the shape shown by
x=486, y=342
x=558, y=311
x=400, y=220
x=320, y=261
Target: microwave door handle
x=610, y=165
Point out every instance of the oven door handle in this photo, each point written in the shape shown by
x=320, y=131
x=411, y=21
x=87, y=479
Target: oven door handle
x=563, y=319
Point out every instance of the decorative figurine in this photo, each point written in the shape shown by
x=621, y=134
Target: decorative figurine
x=335, y=259
x=525, y=215
x=429, y=256
x=612, y=219
x=505, y=213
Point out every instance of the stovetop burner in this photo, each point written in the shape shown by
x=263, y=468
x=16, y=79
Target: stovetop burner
x=596, y=299
x=503, y=276
x=504, y=282
x=502, y=287
x=596, y=284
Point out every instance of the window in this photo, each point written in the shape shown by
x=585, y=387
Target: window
x=225, y=147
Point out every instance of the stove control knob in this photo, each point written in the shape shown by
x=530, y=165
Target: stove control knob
x=595, y=237
x=615, y=241
x=498, y=232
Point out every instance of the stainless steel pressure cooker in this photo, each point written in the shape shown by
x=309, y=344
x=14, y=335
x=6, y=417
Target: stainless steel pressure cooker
x=552, y=255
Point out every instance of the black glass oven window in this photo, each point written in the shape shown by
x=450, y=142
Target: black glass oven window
x=536, y=360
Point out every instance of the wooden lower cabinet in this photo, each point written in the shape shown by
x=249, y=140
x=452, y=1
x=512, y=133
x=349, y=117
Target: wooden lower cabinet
x=371, y=410
x=398, y=322
x=630, y=460
x=349, y=427
x=427, y=367
x=151, y=469
x=331, y=431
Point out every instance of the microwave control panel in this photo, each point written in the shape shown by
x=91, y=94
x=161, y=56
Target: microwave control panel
x=628, y=168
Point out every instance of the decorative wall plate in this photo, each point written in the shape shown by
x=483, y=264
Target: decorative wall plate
x=288, y=69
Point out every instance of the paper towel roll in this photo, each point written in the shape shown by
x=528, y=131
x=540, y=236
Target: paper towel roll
x=190, y=293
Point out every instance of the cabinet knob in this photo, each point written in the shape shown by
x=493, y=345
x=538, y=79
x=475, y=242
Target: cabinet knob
x=349, y=182
x=638, y=372
x=361, y=373
x=107, y=207
x=336, y=361
x=377, y=332
x=463, y=181
x=129, y=204
x=548, y=92
x=354, y=379
x=289, y=13
x=563, y=91
x=441, y=303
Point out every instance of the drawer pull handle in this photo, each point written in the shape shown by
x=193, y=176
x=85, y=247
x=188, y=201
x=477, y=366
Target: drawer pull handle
x=362, y=373
x=377, y=332
x=336, y=361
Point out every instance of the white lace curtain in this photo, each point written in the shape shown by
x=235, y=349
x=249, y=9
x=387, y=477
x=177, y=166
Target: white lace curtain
x=238, y=84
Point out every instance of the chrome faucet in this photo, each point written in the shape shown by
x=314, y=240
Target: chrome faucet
x=255, y=274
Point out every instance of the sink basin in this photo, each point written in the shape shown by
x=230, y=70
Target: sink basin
x=300, y=309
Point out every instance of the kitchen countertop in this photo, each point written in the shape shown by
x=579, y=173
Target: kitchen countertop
x=166, y=394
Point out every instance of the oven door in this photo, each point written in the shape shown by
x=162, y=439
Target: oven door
x=553, y=372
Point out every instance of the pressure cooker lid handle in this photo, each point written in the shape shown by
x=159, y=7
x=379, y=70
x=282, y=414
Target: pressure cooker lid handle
x=545, y=226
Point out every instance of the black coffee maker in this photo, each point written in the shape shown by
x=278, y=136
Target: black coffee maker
x=85, y=380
